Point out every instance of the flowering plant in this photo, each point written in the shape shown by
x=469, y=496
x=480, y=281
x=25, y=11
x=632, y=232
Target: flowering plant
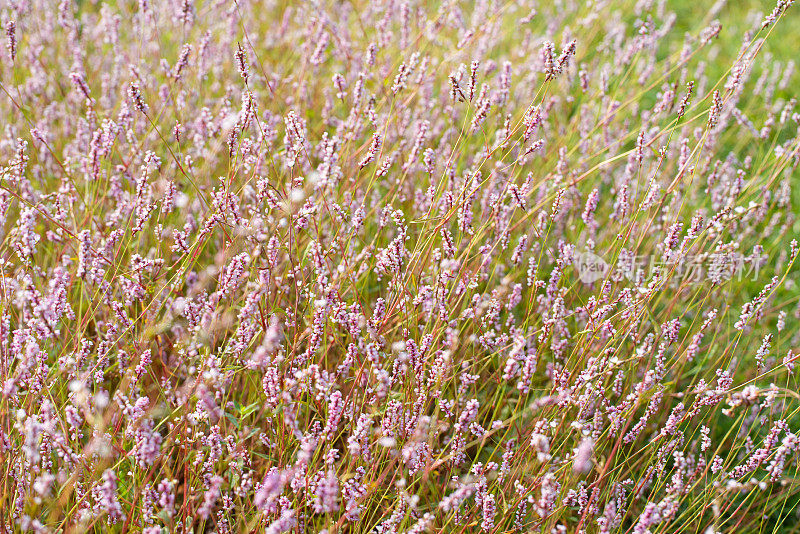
x=375, y=267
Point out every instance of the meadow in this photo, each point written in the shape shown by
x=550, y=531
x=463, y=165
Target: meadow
x=398, y=266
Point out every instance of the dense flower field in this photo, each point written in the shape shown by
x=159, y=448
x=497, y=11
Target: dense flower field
x=399, y=266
